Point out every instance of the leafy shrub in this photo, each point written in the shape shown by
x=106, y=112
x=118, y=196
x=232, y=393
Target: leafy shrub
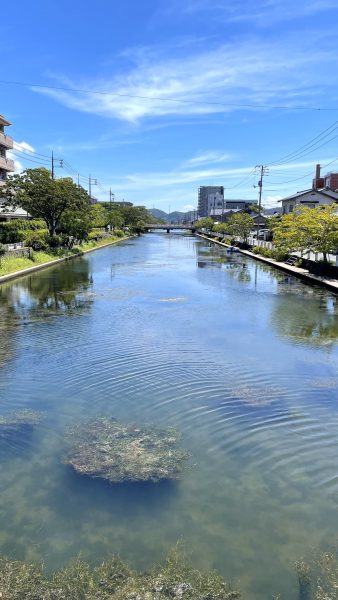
x=95, y=235
x=275, y=254
x=119, y=233
x=36, y=240
x=55, y=241
x=279, y=255
x=3, y=251
x=14, y=231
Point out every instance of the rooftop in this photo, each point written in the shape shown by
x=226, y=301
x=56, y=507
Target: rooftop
x=4, y=121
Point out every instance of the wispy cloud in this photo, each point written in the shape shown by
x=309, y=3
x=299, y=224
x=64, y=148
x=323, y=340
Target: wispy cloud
x=210, y=157
x=250, y=73
x=261, y=12
x=229, y=177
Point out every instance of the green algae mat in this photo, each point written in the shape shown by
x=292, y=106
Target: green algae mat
x=110, y=450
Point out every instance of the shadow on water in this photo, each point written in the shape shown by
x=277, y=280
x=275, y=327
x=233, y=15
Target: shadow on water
x=86, y=493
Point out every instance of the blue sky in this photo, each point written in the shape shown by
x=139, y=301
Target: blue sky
x=178, y=93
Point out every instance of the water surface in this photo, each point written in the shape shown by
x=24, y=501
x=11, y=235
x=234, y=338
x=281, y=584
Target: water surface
x=167, y=329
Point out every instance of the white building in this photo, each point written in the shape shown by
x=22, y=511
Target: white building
x=310, y=198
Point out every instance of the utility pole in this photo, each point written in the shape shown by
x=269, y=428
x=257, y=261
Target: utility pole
x=263, y=171
x=110, y=195
x=90, y=183
x=52, y=165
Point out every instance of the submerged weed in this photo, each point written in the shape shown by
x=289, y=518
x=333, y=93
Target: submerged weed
x=116, y=452
x=112, y=580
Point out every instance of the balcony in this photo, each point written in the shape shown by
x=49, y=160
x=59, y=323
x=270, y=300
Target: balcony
x=6, y=163
x=6, y=141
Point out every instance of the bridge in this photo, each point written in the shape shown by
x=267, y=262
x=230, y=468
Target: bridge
x=169, y=227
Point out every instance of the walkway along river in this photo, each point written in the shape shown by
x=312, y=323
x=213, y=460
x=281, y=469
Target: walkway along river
x=169, y=329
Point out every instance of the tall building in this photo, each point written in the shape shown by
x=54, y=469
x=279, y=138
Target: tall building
x=6, y=143
x=203, y=197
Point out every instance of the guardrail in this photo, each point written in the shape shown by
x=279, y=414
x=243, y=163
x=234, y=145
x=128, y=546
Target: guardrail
x=15, y=246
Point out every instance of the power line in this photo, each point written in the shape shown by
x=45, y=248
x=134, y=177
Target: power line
x=309, y=144
x=159, y=99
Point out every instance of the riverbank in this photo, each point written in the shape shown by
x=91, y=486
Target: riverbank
x=303, y=274
x=11, y=268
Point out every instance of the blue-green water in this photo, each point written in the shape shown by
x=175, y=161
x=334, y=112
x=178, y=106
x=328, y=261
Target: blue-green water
x=167, y=329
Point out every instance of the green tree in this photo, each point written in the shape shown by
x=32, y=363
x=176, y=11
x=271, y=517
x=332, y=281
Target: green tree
x=307, y=229
x=43, y=197
x=139, y=227
x=240, y=225
x=99, y=215
x=221, y=228
x=205, y=223
x=133, y=214
x=115, y=219
x=76, y=225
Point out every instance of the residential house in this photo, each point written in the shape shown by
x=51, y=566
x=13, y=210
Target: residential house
x=324, y=191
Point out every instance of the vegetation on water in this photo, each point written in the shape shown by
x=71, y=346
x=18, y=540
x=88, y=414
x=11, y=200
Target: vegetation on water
x=18, y=420
x=318, y=577
x=110, y=450
x=112, y=580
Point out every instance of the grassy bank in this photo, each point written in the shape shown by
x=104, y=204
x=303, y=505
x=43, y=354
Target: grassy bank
x=12, y=264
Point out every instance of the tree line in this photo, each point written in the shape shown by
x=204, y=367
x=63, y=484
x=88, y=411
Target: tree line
x=62, y=211
x=304, y=230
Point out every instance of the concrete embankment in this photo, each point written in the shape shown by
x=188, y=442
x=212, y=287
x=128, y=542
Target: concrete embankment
x=52, y=263
x=331, y=284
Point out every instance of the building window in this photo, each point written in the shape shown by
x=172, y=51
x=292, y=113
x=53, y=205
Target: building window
x=290, y=208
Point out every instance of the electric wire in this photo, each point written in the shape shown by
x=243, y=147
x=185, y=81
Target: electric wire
x=159, y=99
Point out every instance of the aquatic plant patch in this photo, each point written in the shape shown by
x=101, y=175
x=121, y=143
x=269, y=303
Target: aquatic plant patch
x=112, y=580
x=18, y=420
x=105, y=448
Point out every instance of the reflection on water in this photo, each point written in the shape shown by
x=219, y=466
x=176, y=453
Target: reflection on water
x=308, y=318
x=171, y=330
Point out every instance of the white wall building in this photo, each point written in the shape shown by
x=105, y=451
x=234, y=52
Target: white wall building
x=309, y=198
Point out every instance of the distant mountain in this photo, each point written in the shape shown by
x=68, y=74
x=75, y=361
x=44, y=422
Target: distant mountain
x=173, y=217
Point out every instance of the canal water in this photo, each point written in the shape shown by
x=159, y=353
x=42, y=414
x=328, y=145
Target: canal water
x=168, y=329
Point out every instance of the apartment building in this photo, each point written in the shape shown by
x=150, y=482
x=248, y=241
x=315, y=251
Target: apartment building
x=6, y=143
x=206, y=195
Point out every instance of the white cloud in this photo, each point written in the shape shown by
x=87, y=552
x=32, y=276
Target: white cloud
x=19, y=146
x=272, y=200
x=23, y=146
x=252, y=73
x=208, y=157
x=18, y=166
x=261, y=12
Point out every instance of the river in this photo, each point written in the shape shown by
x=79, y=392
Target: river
x=168, y=329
